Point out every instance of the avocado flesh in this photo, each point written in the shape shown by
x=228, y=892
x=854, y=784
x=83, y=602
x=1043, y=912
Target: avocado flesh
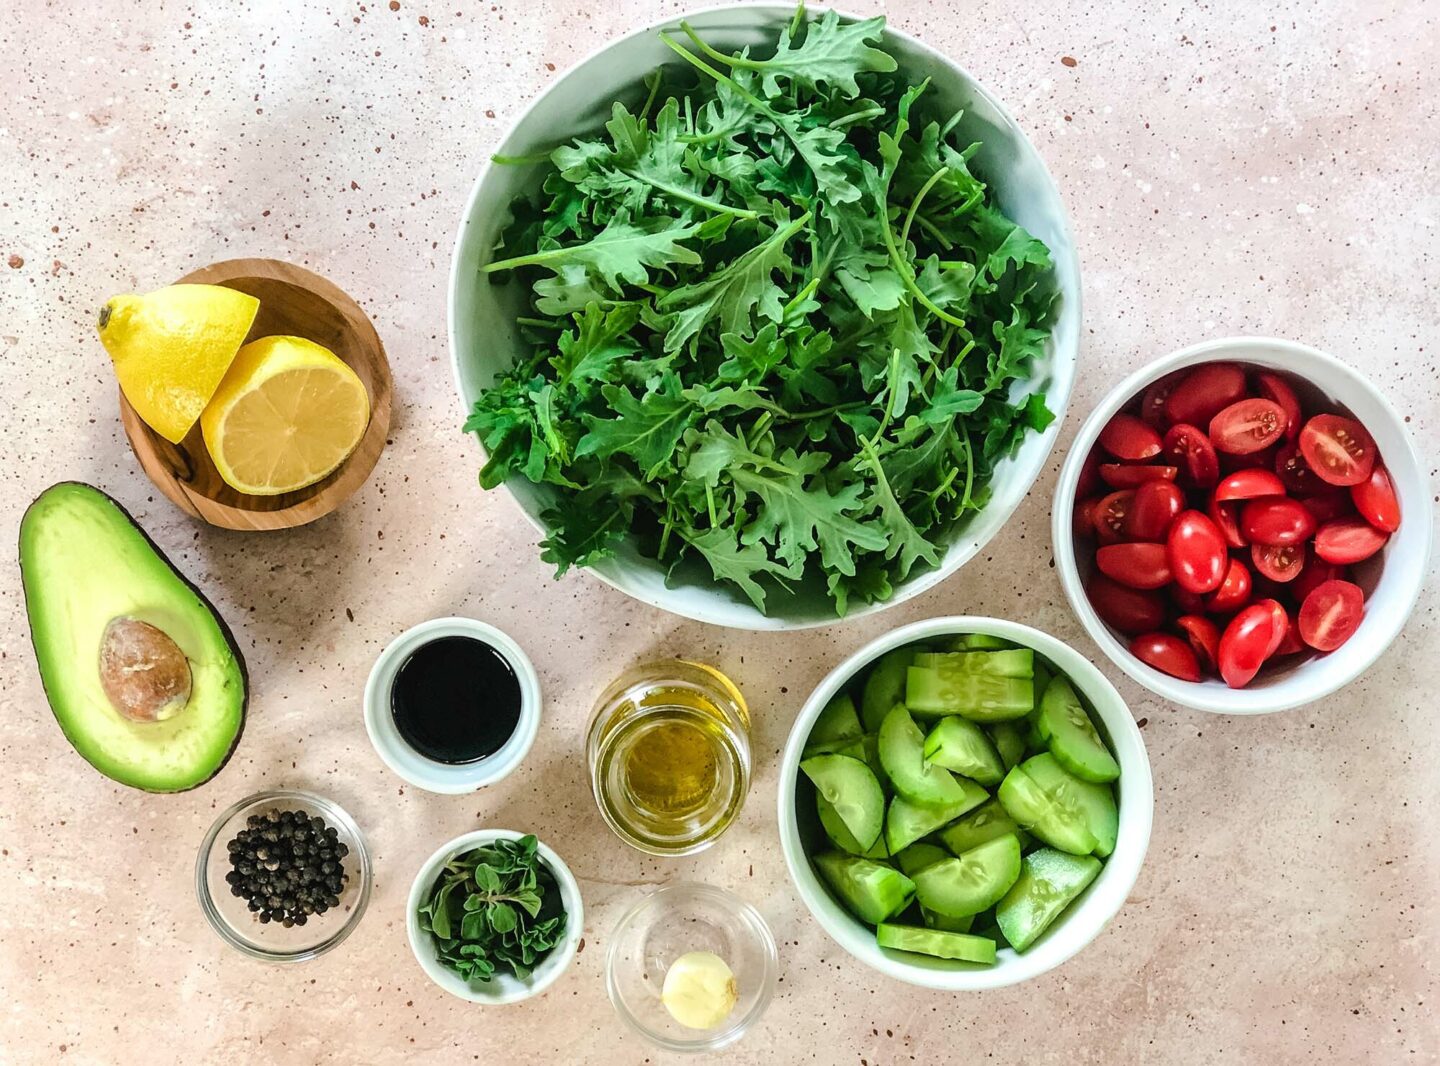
x=84, y=562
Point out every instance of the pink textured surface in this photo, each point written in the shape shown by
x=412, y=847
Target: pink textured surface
x=1230, y=167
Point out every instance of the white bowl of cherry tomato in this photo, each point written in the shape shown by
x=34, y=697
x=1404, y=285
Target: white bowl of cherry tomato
x=1243, y=526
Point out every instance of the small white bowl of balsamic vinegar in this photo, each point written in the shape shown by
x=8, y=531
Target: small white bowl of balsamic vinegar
x=668, y=748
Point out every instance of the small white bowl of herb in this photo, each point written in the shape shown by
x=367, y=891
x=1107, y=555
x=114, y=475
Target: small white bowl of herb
x=494, y=916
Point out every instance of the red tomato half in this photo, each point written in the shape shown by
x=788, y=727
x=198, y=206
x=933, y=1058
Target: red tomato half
x=1168, y=654
x=1248, y=426
x=1376, y=501
x=1234, y=590
x=1278, y=562
x=1152, y=404
x=1126, y=437
x=1248, y=484
x=1187, y=447
x=1084, y=520
x=1138, y=565
x=1265, y=457
x=1276, y=389
x=1329, y=505
x=1088, y=483
x=1154, y=507
x=1196, y=551
x=1128, y=610
x=1188, y=602
x=1245, y=644
x=1348, y=540
x=1226, y=517
x=1276, y=520
x=1110, y=516
x=1337, y=449
x=1295, y=472
x=1204, y=638
x=1204, y=392
x=1316, y=572
x=1331, y=614
x=1123, y=476
x=1282, y=626
x=1291, y=644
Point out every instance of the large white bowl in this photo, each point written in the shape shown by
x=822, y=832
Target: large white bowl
x=484, y=339
x=1391, y=580
x=1082, y=920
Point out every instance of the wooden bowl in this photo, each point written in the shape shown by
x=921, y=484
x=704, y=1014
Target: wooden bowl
x=293, y=302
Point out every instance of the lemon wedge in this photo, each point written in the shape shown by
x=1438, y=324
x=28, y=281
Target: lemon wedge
x=286, y=415
x=171, y=348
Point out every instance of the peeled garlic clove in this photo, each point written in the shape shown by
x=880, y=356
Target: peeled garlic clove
x=699, y=990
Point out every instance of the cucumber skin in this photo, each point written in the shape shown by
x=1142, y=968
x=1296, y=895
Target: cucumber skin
x=961, y=947
x=1077, y=747
x=884, y=686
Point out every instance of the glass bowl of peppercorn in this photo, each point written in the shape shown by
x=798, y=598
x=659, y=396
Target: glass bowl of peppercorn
x=283, y=875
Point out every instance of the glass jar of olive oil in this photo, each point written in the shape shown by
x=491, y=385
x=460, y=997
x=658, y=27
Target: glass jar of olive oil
x=669, y=754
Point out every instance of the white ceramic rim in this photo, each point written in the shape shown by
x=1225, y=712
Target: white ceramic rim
x=1214, y=696
x=1063, y=376
x=446, y=778
x=508, y=989
x=1095, y=908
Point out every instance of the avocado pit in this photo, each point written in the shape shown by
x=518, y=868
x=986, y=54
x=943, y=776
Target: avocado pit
x=144, y=673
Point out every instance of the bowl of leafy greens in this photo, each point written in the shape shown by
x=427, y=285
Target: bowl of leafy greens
x=765, y=317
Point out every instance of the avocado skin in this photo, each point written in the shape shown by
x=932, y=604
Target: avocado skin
x=225, y=631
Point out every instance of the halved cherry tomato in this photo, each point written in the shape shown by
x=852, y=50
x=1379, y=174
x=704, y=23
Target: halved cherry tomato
x=1295, y=472
x=1316, y=572
x=1247, y=426
x=1290, y=643
x=1376, y=501
x=1168, y=654
x=1188, y=447
x=1331, y=614
x=1276, y=520
x=1204, y=392
x=1234, y=590
x=1121, y=476
x=1188, y=602
x=1154, y=507
x=1126, y=437
x=1248, y=484
x=1152, y=404
x=1084, y=520
x=1245, y=644
x=1348, y=540
x=1278, y=562
x=1325, y=506
x=1128, y=610
x=1282, y=625
x=1276, y=389
x=1110, y=516
x=1204, y=638
x=1088, y=483
x=1337, y=449
x=1196, y=551
x=1138, y=565
x=1226, y=517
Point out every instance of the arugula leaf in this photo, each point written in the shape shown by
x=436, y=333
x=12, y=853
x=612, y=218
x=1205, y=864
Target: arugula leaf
x=619, y=253
x=646, y=429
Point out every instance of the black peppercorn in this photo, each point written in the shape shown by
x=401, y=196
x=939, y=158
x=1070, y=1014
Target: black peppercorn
x=287, y=866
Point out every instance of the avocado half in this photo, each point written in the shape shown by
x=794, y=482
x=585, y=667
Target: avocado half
x=110, y=615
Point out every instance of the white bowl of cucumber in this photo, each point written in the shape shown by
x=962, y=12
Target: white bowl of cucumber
x=965, y=803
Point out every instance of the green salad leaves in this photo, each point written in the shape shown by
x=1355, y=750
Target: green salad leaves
x=776, y=323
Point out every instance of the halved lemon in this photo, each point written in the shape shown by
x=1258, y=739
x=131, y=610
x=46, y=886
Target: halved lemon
x=286, y=415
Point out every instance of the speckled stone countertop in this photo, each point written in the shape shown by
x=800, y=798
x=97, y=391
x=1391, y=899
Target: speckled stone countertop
x=1230, y=167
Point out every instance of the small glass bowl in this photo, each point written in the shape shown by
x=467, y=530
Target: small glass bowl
x=669, y=923
x=237, y=925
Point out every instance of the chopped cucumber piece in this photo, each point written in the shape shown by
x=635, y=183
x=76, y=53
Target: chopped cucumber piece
x=916, y=857
x=1052, y=814
x=1009, y=740
x=945, y=922
x=960, y=745
x=1096, y=802
x=1013, y=662
x=907, y=822
x=872, y=891
x=885, y=686
x=851, y=746
x=970, y=882
x=838, y=721
x=850, y=787
x=931, y=691
x=1049, y=881
x=936, y=942
x=902, y=753
x=1072, y=736
x=977, y=642
x=983, y=824
x=841, y=836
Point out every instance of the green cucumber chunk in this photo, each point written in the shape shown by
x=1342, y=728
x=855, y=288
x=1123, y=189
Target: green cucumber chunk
x=841, y=836
x=838, y=721
x=983, y=824
x=902, y=754
x=969, y=883
x=936, y=942
x=931, y=692
x=907, y=822
x=960, y=745
x=945, y=922
x=1009, y=740
x=1071, y=735
x=1049, y=881
x=872, y=891
x=916, y=857
x=1012, y=662
x=977, y=642
x=850, y=787
x=1054, y=815
x=884, y=687
x=1095, y=802
x=851, y=746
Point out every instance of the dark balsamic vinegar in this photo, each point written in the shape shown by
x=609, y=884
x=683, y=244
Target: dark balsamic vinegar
x=455, y=700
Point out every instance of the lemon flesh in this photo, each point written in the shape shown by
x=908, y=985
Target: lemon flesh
x=171, y=348
x=286, y=415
